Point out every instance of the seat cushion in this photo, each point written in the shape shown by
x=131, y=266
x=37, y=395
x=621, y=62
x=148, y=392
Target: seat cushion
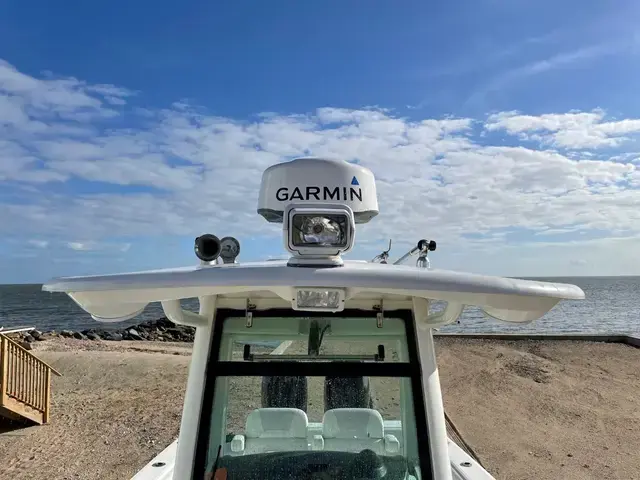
x=277, y=423
x=352, y=423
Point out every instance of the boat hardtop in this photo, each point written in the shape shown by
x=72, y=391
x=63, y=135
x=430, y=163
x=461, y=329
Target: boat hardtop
x=313, y=366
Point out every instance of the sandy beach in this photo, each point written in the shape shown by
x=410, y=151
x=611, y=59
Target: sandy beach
x=530, y=410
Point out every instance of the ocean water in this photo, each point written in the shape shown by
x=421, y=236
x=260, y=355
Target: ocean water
x=612, y=305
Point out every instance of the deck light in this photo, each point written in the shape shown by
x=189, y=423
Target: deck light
x=319, y=299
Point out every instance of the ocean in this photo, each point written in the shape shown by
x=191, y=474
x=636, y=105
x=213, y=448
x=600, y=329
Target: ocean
x=612, y=305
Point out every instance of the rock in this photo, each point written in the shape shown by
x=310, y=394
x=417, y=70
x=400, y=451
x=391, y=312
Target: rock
x=164, y=322
x=101, y=333
x=161, y=330
x=79, y=336
x=179, y=333
x=133, y=334
x=26, y=345
x=36, y=334
x=29, y=338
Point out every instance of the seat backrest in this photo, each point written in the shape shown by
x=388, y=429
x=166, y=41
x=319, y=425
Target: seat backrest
x=353, y=430
x=276, y=429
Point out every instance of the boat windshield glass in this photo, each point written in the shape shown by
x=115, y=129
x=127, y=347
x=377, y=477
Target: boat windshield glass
x=311, y=397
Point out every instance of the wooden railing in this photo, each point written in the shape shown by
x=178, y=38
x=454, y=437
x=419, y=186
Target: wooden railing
x=25, y=383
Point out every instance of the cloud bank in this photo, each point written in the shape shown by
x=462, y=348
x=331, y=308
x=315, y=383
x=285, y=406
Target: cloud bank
x=87, y=165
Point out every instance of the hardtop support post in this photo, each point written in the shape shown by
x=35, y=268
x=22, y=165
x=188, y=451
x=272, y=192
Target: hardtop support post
x=195, y=389
x=434, y=407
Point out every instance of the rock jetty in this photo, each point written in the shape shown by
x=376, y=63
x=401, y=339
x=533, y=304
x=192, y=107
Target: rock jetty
x=160, y=330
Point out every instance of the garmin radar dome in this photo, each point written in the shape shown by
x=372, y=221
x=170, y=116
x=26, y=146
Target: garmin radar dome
x=319, y=202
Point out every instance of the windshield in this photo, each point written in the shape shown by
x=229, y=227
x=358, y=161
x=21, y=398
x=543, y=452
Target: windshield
x=311, y=397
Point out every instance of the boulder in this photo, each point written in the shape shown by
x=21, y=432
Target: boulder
x=79, y=336
x=132, y=334
x=113, y=336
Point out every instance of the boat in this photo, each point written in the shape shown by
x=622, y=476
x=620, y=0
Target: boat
x=313, y=366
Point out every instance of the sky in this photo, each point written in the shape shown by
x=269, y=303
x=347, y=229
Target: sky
x=506, y=130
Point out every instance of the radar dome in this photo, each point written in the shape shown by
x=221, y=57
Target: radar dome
x=317, y=181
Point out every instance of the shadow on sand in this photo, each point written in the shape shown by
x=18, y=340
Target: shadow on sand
x=13, y=427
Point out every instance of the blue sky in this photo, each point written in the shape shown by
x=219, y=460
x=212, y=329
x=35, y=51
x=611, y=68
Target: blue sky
x=506, y=130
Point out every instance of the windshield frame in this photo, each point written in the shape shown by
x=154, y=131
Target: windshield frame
x=215, y=368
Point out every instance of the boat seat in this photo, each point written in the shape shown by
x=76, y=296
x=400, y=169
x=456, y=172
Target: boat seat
x=356, y=429
x=275, y=429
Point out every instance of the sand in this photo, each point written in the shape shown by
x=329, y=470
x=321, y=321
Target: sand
x=546, y=410
x=116, y=406
x=530, y=410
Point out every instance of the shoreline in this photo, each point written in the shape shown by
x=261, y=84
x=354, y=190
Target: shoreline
x=159, y=330
x=164, y=330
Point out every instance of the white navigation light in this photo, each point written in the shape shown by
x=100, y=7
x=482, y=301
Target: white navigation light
x=319, y=232
x=319, y=300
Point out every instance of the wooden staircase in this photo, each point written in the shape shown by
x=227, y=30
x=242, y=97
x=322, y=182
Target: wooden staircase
x=25, y=384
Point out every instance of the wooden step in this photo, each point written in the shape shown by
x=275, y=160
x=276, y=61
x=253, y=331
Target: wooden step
x=25, y=384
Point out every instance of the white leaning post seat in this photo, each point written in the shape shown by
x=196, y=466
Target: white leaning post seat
x=274, y=429
x=357, y=429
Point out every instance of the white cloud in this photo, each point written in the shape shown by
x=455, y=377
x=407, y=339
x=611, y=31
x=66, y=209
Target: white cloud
x=94, y=246
x=79, y=246
x=579, y=130
x=65, y=98
x=181, y=171
x=39, y=243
